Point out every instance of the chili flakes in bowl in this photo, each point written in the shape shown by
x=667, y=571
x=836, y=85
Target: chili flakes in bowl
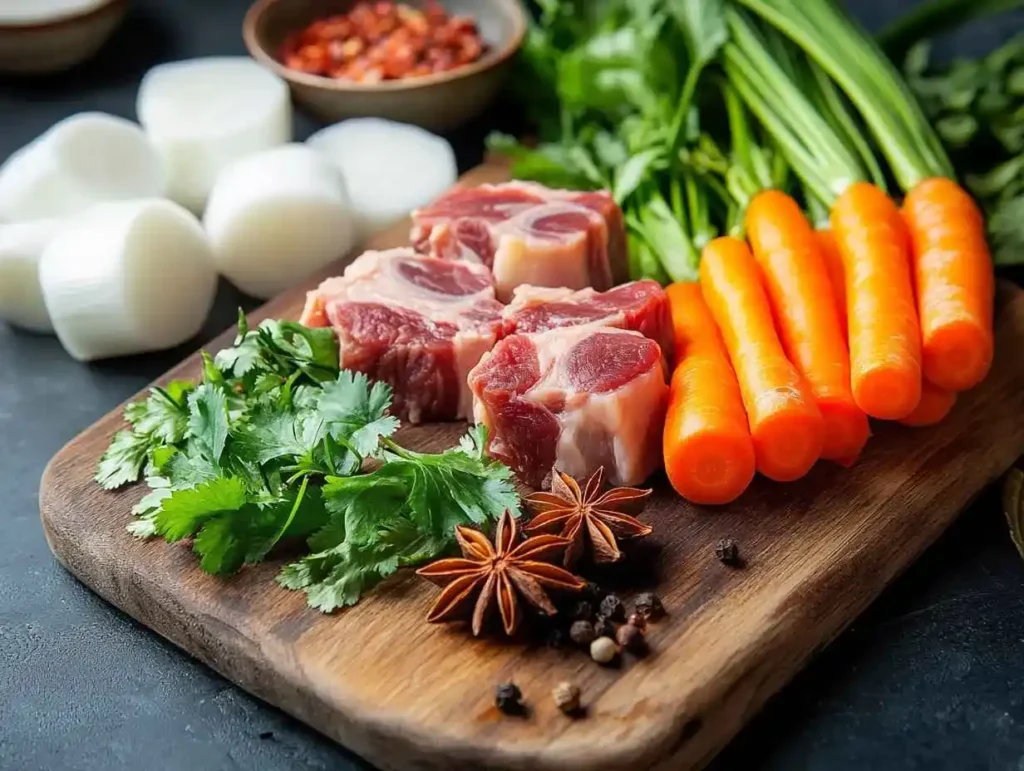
x=384, y=40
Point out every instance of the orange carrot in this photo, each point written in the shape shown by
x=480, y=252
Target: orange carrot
x=784, y=421
x=934, y=406
x=955, y=283
x=834, y=265
x=804, y=308
x=709, y=455
x=885, y=339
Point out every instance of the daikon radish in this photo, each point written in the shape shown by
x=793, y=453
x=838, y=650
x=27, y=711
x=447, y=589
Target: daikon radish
x=21, y=298
x=126, y=278
x=390, y=168
x=276, y=217
x=204, y=114
x=41, y=11
x=83, y=160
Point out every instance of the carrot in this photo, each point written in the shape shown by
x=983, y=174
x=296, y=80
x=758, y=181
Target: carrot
x=885, y=339
x=934, y=406
x=709, y=454
x=834, y=265
x=955, y=283
x=805, y=312
x=784, y=421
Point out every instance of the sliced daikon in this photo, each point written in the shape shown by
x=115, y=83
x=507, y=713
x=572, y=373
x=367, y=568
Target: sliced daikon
x=276, y=217
x=390, y=168
x=21, y=298
x=203, y=114
x=126, y=278
x=82, y=160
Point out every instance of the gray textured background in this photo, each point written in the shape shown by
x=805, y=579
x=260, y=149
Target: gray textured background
x=932, y=677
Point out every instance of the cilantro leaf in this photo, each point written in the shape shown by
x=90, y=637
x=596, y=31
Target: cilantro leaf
x=208, y=419
x=269, y=434
x=122, y=462
x=184, y=512
x=357, y=413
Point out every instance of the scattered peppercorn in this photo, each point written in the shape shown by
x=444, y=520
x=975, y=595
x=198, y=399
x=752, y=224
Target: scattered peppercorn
x=649, y=606
x=583, y=611
x=603, y=650
x=631, y=639
x=582, y=633
x=612, y=608
x=603, y=627
x=384, y=40
x=635, y=619
x=593, y=592
x=567, y=697
x=728, y=552
x=509, y=699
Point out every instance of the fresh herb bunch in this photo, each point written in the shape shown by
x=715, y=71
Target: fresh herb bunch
x=611, y=86
x=270, y=445
x=977, y=106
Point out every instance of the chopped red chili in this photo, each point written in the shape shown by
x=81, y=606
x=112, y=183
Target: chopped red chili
x=384, y=40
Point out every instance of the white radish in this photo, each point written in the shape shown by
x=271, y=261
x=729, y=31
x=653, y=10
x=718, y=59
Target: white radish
x=21, y=298
x=390, y=168
x=277, y=217
x=82, y=160
x=204, y=114
x=127, y=278
x=39, y=11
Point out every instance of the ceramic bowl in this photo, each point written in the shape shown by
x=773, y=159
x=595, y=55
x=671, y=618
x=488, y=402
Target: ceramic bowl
x=60, y=41
x=436, y=102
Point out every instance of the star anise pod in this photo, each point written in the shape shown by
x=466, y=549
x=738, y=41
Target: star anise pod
x=588, y=517
x=502, y=573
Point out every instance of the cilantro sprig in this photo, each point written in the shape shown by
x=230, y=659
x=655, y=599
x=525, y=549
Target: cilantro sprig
x=271, y=445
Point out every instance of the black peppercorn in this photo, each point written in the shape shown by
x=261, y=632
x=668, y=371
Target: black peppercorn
x=612, y=608
x=582, y=633
x=509, y=699
x=593, y=592
x=603, y=627
x=649, y=606
x=727, y=552
x=582, y=611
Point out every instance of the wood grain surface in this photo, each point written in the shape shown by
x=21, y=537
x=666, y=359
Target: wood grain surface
x=409, y=696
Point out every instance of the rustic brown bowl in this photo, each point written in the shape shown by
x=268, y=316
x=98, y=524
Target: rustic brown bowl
x=437, y=102
x=60, y=42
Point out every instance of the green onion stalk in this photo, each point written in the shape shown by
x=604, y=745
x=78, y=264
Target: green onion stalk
x=870, y=80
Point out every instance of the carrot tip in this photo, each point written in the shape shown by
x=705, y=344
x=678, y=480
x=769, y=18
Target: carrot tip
x=711, y=468
x=888, y=393
x=787, y=445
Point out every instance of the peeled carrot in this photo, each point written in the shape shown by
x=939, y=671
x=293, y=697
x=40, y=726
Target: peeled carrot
x=805, y=312
x=784, y=420
x=885, y=339
x=709, y=454
x=955, y=283
x=934, y=406
x=834, y=265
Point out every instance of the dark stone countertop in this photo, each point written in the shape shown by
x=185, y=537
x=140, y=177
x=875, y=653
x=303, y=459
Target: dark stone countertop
x=931, y=677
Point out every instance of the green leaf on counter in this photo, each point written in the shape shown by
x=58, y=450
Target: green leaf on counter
x=208, y=420
x=122, y=462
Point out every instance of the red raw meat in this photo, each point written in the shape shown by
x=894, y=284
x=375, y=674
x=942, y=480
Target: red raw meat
x=417, y=323
x=575, y=399
x=528, y=234
x=641, y=306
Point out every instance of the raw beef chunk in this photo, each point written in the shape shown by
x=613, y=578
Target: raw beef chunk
x=528, y=234
x=641, y=306
x=417, y=323
x=574, y=399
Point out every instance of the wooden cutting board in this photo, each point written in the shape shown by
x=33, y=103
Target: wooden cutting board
x=409, y=696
